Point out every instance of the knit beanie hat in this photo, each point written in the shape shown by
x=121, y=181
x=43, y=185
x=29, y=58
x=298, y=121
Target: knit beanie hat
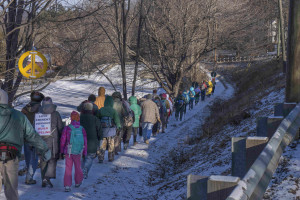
x=164, y=96
x=75, y=116
x=36, y=96
x=87, y=106
x=3, y=97
x=149, y=96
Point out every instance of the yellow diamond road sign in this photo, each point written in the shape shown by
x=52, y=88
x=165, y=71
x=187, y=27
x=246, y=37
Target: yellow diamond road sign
x=34, y=69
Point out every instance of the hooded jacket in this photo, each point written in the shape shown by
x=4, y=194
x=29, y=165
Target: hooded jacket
x=150, y=112
x=192, y=93
x=101, y=98
x=119, y=107
x=66, y=136
x=137, y=111
x=109, y=111
x=15, y=128
x=56, y=128
x=93, y=129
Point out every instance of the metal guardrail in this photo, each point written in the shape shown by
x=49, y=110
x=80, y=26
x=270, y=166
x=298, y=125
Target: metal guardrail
x=256, y=181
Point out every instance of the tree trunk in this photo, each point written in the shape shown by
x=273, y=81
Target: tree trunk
x=293, y=70
x=138, y=46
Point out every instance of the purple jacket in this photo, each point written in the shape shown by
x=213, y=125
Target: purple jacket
x=66, y=136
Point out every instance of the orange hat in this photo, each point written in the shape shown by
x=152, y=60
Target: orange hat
x=75, y=116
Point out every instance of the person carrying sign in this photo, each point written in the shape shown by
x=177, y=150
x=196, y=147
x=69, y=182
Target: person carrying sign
x=31, y=157
x=15, y=128
x=49, y=125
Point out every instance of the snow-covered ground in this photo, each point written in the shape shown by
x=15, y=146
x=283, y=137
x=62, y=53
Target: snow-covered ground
x=67, y=94
x=156, y=171
x=128, y=176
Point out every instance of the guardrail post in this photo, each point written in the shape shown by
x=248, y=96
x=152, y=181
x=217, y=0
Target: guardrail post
x=210, y=188
x=266, y=126
x=244, y=152
x=220, y=187
x=196, y=187
x=284, y=109
x=238, y=154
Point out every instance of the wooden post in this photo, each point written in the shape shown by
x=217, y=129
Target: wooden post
x=292, y=93
x=282, y=35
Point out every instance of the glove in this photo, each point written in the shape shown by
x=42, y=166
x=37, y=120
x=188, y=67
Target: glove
x=47, y=155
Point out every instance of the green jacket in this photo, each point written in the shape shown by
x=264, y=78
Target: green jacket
x=109, y=111
x=137, y=111
x=15, y=128
x=119, y=108
x=93, y=129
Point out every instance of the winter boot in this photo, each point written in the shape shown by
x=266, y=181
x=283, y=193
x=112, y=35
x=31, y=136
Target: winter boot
x=110, y=156
x=67, y=189
x=125, y=146
x=46, y=182
x=77, y=185
x=101, y=155
x=30, y=182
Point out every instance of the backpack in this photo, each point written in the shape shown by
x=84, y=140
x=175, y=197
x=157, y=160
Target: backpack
x=130, y=117
x=106, y=122
x=180, y=102
x=191, y=95
x=76, y=141
x=163, y=106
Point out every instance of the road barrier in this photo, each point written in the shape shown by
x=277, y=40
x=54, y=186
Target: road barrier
x=254, y=159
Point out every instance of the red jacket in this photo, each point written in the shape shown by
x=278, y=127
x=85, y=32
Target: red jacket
x=66, y=136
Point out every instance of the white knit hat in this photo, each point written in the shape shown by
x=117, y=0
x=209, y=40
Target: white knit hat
x=3, y=97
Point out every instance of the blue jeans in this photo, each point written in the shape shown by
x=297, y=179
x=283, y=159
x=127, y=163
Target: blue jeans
x=31, y=160
x=87, y=162
x=147, y=130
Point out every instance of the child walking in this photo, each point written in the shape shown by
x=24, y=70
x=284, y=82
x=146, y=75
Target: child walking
x=73, y=144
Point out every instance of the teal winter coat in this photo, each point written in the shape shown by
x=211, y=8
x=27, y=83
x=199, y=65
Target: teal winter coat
x=137, y=111
x=15, y=129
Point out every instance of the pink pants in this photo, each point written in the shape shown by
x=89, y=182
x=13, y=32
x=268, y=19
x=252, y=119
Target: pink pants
x=68, y=171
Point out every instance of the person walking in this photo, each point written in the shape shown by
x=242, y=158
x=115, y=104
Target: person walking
x=94, y=134
x=203, y=90
x=101, y=98
x=197, y=95
x=52, y=139
x=187, y=100
x=164, y=111
x=150, y=115
x=191, y=94
x=110, y=122
x=209, y=89
x=91, y=99
x=15, y=128
x=137, y=113
x=127, y=125
x=156, y=125
x=179, y=106
x=31, y=157
x=73, y=145
x=119, y=108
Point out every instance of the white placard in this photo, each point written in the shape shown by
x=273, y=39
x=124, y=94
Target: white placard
x=43, y=124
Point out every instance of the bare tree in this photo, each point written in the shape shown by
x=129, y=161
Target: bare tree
x=18, y=25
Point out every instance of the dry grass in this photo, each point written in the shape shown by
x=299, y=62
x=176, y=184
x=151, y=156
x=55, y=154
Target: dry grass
x=251, y=84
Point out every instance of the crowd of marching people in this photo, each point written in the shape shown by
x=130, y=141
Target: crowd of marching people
x=100, y=124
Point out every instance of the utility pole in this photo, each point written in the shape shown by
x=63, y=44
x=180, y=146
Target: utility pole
x=292, y=93
x=282, y=35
